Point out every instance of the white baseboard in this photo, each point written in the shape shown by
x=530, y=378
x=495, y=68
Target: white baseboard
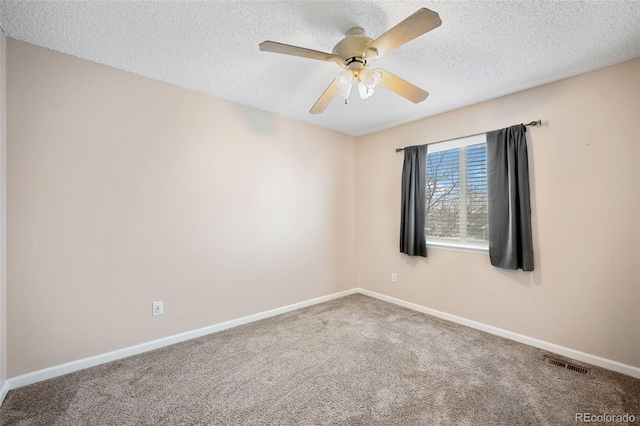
x=629, y=370
x=70, y=367
x=81, y=364
x=3, y=392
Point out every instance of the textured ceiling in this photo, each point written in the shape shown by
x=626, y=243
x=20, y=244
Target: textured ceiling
x=483, y=50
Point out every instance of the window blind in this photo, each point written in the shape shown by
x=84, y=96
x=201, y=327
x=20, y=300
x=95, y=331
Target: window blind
x=456, y=199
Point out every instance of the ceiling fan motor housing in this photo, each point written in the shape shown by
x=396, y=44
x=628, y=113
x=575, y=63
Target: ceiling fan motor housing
x=351, y=48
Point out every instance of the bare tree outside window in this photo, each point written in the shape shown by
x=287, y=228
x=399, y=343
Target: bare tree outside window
x=456, y=196
x=443, y=194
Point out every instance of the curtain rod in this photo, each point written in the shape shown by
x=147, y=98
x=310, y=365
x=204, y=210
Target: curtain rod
x=532, y=124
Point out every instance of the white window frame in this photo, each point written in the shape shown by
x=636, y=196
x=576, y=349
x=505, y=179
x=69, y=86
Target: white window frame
x=446, y=243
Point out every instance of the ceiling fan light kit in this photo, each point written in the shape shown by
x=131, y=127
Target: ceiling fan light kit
x=356, y=51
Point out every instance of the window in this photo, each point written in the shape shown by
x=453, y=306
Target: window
x=457, y=193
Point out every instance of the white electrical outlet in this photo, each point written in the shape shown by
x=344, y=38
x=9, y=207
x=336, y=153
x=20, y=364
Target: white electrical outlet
x=158, y=308
x=394, y=277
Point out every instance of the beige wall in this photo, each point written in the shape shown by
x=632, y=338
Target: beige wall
x=585, y=291
x=3, y=209
x=123, y=191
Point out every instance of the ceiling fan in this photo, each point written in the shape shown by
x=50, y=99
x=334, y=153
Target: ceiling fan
x=356, y=51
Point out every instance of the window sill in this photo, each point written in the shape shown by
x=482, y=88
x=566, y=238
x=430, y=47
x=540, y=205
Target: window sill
x=457, y=247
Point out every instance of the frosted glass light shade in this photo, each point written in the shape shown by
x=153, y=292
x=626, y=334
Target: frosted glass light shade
x=367, y=81
x=364, y=91
x=345, y=82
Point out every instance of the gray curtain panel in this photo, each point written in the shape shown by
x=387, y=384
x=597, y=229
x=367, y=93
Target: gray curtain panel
x=510, y=238
x=413, y=211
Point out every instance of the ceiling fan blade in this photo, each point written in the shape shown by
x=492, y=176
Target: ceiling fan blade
x=401, y=87
x=287, y=49
x=414, y=26
x=325, y=99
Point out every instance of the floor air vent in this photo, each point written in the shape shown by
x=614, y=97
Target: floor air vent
x=566, y=365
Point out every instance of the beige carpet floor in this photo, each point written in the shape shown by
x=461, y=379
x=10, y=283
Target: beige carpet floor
x=349, y=361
